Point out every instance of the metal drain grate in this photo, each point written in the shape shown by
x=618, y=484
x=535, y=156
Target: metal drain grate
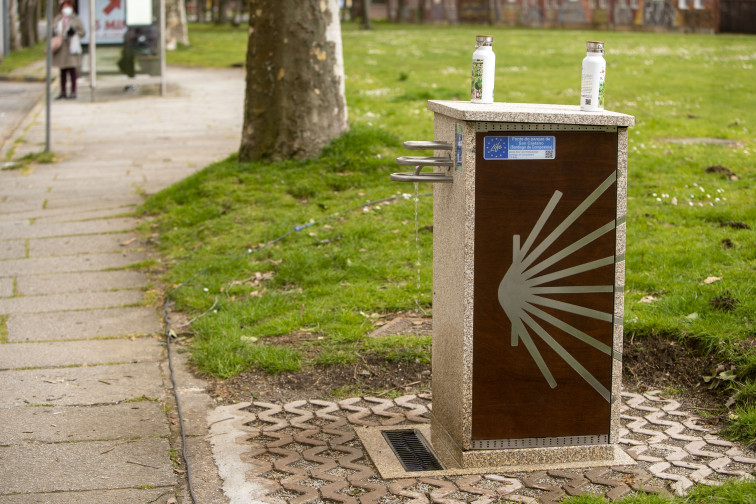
x=412, y=451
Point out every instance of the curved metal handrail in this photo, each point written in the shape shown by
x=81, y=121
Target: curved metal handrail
x=424, y=161
x=427, y=145
x=416, y=176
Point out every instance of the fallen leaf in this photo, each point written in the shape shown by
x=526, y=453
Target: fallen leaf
x=712, y=279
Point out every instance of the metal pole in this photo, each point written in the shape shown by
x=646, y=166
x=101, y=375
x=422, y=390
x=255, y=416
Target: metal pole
x=48, y=75
x=3, y=11
x=92, y=50
x=162, y=48
x=6, y=28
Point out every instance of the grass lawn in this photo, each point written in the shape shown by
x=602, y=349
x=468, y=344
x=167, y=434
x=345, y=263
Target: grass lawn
x=331, y=247
x=22, y=57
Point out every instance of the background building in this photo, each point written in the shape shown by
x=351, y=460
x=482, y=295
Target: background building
x=643, y=15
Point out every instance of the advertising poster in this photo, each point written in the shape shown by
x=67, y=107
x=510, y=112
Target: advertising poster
x=110, y=21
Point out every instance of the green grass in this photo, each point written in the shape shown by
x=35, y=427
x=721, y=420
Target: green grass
x=3, y=329
x=727, y=493
x=212, y=46
x=22, y=58
x=27, y=160
x=349, y=265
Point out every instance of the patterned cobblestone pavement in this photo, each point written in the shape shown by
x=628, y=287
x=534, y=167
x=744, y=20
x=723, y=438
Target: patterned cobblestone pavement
x=308, y=452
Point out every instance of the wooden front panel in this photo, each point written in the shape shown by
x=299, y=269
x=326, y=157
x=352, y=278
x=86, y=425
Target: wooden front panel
x=552, y=377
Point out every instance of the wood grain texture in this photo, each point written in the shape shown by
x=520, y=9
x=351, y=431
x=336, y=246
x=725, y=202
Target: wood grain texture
x=511, y=397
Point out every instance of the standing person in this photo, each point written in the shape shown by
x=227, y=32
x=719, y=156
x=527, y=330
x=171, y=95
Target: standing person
x=69, y=27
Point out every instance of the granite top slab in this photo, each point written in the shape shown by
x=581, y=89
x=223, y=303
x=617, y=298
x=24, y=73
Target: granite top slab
x=528, y=113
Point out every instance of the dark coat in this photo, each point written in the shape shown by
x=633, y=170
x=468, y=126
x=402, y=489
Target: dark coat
x=63, y=57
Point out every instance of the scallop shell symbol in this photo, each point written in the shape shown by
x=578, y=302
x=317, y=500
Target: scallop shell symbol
x=521, y=290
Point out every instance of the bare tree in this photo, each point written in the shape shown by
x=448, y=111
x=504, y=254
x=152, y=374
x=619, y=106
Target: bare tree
x=294, y=102
x=222, y=17
x=28, y=13
x=13, y=21
x=366, y=15
x=200, y=6
x=177, y=31
x=361, y=10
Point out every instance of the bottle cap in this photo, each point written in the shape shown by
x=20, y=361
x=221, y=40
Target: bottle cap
x=594, y=46
x=484, y=40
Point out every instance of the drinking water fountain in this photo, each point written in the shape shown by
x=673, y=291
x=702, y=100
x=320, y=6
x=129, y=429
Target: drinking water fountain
x=528, y=277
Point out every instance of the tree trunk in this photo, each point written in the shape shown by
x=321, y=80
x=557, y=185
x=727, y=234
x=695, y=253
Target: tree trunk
x=176, y=31
x=28, y=11
x=366, y=15
x=402, y=12
x=200, y=10
x=294, y=102
x=222, y=12
x=15, y=37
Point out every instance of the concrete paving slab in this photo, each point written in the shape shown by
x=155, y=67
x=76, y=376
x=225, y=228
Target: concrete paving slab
x=87, y=262
x=10, y=204
x=82, y=466
x=80, y=386
x=76, y=353
x=71, y=301
x=17, y=100
x=6, y=287
x=71, y=201
x=42, y=230
x=84, y=324
x=67, y=215
x=86, y=209
x=208, y=487
x=127, y=496
x=99, y=169
x=144, y=419
x=192, y=391
x=84, y=244
x=14, y=229
x=12, y=249
x=79, y=282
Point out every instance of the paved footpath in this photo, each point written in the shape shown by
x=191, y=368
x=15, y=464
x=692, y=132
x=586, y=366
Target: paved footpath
x=86, y=410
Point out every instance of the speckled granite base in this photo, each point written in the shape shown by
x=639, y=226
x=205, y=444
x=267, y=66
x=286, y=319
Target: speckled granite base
x=529, y=459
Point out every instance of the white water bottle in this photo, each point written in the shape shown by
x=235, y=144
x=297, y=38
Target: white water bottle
x=483, y=69
x=594, y=73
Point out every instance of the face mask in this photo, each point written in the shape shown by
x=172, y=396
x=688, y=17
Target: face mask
x=67, y=11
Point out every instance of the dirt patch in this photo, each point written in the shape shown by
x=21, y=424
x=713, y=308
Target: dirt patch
x=734, y=225
x=372, y=376
x=723, y=171
x=725, y=302
x=658, y=363
x=649, y=363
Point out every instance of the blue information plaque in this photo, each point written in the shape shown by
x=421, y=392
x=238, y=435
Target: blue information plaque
x=519, y=147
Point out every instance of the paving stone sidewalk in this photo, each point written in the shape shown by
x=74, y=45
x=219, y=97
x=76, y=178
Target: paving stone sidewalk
x=86, y=410
x=312, y=452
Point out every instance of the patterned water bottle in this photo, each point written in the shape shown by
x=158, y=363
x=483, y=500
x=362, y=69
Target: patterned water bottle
x=483, y=69
x=594, y=73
